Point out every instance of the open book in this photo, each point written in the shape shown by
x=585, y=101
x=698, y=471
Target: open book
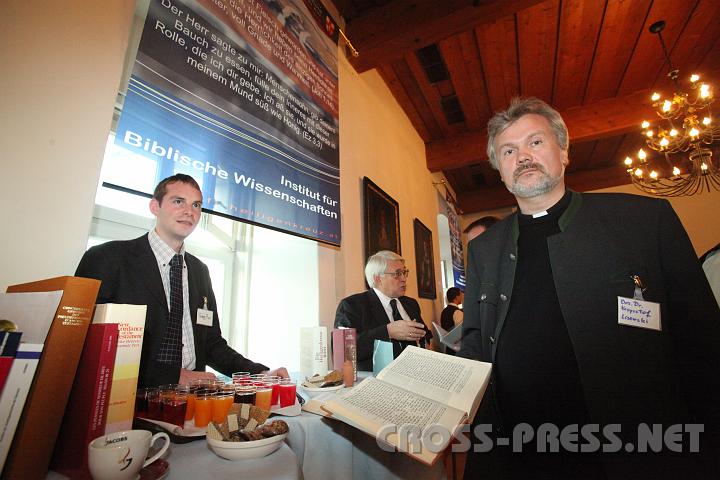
x=420, y=392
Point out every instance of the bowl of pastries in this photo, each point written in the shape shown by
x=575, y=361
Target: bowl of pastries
x=318, y=384
x=246, y=433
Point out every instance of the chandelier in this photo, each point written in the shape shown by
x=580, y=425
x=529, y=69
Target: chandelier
x=681, y=161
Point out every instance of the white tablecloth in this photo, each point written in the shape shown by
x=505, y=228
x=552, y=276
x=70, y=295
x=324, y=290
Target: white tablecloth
x=330, y=449
x=195, y=460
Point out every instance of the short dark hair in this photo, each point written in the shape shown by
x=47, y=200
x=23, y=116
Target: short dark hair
x=452, y=293
x=161, y=188
x=486, y=222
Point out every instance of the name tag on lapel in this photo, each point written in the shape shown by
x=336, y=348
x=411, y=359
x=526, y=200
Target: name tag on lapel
x=639, y=313
x=204, y=317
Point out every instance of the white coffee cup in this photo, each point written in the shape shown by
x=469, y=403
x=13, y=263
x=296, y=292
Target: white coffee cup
x=121, y=455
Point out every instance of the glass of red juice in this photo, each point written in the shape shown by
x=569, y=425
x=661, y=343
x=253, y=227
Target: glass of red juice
x=174, y=405
x=288, y=390
x=154, y=404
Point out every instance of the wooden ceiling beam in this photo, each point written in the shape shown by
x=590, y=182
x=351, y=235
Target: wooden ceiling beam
x=604, y=118
x=392, y=30
x=498, y=196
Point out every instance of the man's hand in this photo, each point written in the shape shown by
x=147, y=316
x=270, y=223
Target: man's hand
x=278, y=372
x=405, y=330
x=187, y=376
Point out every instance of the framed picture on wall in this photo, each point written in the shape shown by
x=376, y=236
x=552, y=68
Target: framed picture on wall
x=424, y=260
x=381, y=218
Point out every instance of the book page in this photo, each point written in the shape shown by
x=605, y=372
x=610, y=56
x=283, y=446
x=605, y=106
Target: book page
x=458, y=382
x=374, y=405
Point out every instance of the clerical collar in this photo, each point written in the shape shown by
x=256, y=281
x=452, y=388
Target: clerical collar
x=553, y=212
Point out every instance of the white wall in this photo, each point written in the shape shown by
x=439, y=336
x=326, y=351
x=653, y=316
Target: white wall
x=61, y=64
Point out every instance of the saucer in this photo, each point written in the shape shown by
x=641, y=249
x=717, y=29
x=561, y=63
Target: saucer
x=157, y=470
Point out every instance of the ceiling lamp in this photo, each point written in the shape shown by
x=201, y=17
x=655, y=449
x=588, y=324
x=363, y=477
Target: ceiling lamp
x=682, y=138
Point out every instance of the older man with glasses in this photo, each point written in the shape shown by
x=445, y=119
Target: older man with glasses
x=383, y=312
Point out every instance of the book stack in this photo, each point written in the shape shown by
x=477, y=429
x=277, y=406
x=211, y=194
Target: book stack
x=131, y=329
x=86, y=413
x=37, y=431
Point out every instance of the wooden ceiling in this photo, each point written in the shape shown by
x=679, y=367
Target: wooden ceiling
x=451, y=63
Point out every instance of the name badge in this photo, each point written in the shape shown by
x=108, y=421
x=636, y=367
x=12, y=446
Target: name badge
x=639, y=313
x=204, y=317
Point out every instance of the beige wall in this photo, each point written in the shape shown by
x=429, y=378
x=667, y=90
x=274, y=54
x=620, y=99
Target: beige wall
x=378, y=141
x=62, y=65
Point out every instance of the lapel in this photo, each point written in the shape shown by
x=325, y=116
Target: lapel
x=376, y=309
x=147, y=269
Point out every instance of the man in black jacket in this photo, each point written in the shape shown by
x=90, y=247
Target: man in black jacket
x=138, y=272
x=383, y=312
x=595, y=314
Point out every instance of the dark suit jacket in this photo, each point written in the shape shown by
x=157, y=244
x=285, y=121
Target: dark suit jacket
x=129, y=274
x=364, y=312
x=628, y=374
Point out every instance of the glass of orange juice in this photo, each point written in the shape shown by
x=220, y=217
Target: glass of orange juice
x=263, y=395
x=220, y=404
x=203, y=409
x=190, y=392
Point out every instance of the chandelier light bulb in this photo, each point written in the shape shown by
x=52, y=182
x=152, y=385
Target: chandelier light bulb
x=676, y=171
x=649, y=133
x=628, y=161
x=639, y=173
x=645, y=124
x=706, y=121
x=673, y=133
x=664, y=142
x=704, y=167
x=694, y=132
x=704, y=90
x=653, y=175
x=641, y=154
x=655, y=97
x=667, y=104
x=694, y=78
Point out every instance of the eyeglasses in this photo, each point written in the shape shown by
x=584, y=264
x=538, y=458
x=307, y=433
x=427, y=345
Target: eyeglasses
x=398, y=273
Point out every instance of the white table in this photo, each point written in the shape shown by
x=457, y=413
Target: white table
x=330, y=449
x=195, y=460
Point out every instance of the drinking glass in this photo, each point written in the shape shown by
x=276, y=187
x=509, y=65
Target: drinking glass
x=203, y=410
x=263, y=395
x=288, y=390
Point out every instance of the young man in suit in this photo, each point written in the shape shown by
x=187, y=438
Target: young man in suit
x=597, y=318
x=182, y=329
x=383, y=312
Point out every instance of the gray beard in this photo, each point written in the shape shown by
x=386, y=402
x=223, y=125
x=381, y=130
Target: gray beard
x=543, y=185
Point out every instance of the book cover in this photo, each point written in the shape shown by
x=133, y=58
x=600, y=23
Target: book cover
x=345, y=348
x=131, y=328
x=421, y=389
x=86, y=413
x=344, y=343
x=9, y=342
x=313, y=351
x=15, y=394
x=39, y=424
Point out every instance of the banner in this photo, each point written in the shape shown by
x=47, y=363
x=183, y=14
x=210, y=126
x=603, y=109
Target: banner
x=243, y=96
x=456, y=249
